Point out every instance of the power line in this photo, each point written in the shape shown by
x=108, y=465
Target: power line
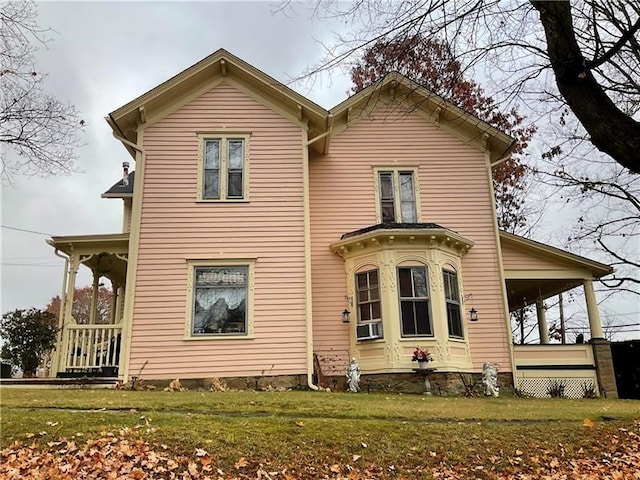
x=30, y=265
x=27, y=231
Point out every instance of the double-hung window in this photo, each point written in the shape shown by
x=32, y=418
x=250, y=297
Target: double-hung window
x=452, y=299
x=223, y=166
x=220, y=300
x=397, y=196
x=369, y=310
x=414, y=302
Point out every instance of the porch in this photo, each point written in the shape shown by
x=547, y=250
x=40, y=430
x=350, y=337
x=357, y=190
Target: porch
x=535, y=274
x=90, y=349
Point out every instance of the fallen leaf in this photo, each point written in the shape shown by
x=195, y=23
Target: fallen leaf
x=241, y=463
x=300, y=424
x=587, y=422
x=355, y=458
x=335, y=468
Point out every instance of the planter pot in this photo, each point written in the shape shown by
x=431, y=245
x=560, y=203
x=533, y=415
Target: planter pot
x=423, y=364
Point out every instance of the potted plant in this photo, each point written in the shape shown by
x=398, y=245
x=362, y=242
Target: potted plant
x=423, y=357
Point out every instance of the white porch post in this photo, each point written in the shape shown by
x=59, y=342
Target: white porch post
x=66, y=312
x=94, y=299
x=542, y=321
x=114, y=301
x=592, y=309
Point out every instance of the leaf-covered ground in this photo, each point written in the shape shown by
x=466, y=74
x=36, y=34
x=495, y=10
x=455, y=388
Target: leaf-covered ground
x=108, y=434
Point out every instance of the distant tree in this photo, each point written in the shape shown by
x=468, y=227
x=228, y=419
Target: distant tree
x=430, y=63
x=81, y=310
x=39, y=130
x=29, y=335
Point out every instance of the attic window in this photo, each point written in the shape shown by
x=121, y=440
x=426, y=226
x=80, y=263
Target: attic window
x=396, y=195
x=223, y=171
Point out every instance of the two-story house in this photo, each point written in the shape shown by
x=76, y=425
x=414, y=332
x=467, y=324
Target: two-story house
x=261, y=230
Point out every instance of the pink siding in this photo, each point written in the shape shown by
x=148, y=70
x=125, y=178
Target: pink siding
x=174, y=227
x=516, y=259
x=454, y=192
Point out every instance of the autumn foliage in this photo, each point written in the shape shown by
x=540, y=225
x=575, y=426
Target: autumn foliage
x=81, y=311
x=127, y=455
x=431, y=64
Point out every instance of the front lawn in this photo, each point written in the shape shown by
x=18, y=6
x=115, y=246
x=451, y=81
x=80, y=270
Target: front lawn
x=200, y=434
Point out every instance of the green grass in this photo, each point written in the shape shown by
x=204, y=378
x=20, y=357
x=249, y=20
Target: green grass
x=292, y=428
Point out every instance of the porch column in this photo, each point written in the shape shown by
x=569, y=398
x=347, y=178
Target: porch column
x=592, y=309
x=542, y=321
x=114, y=301
x=66, y=311
x=94, y=299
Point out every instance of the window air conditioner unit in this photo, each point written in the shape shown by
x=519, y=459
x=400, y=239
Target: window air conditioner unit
x=369, y=331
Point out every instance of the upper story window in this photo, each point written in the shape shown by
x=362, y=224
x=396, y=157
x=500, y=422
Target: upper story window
x=369, y=310
x=396, y=194
x=220, y=299
x=223, y=170
x=414, y=302
x=452, y=299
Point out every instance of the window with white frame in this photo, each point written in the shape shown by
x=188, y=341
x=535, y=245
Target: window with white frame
x=415, y=319
x=452, y=300
x=369, y=309
x=397, y=196
x=224, y=161
x=220, y=300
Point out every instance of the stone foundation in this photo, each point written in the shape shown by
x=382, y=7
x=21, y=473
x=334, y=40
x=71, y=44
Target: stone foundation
x=442, y=383
x=280, y=382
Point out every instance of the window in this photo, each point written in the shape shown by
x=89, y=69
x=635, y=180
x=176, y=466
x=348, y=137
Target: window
x=224, y=161
x=452, y=299
x=369, y=311
x=414, y=302
x=397, y=196
x=220, y=300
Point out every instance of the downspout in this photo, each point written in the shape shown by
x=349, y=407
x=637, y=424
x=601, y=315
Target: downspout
x=134, y=238
x=63, y=299
x=121, y=137
x=307, y=257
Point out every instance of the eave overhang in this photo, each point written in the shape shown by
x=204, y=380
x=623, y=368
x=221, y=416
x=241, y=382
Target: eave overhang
x=126, y=120
x=78, y=244
x=384, y=237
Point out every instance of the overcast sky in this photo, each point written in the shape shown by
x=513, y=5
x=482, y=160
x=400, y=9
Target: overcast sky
x=103, y=55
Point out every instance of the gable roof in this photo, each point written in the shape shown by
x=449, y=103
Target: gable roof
x=125, y=120
x=440, y=111
x=555, y=255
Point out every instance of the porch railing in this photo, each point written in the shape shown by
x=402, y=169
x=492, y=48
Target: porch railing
x=91, y=347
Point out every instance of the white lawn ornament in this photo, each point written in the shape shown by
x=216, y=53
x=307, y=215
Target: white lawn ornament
x=353, y=376
x=490, y=380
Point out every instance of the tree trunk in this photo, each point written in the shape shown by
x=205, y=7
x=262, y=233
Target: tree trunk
x=611, y=130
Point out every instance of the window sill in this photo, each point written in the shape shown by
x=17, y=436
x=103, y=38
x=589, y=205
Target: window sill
x=419, y=337
x=370, y=340
x=219, y=337
x=457, y=339
x=218, y=200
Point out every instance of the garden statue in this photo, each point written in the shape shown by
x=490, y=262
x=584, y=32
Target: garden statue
x=353, y=376
x=490, y=379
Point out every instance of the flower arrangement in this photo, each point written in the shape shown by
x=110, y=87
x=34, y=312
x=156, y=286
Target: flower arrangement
x=422, y=355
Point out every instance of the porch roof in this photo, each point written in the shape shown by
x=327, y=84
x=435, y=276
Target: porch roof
x=105, y=254
x=534, y=270
x=86, y=244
